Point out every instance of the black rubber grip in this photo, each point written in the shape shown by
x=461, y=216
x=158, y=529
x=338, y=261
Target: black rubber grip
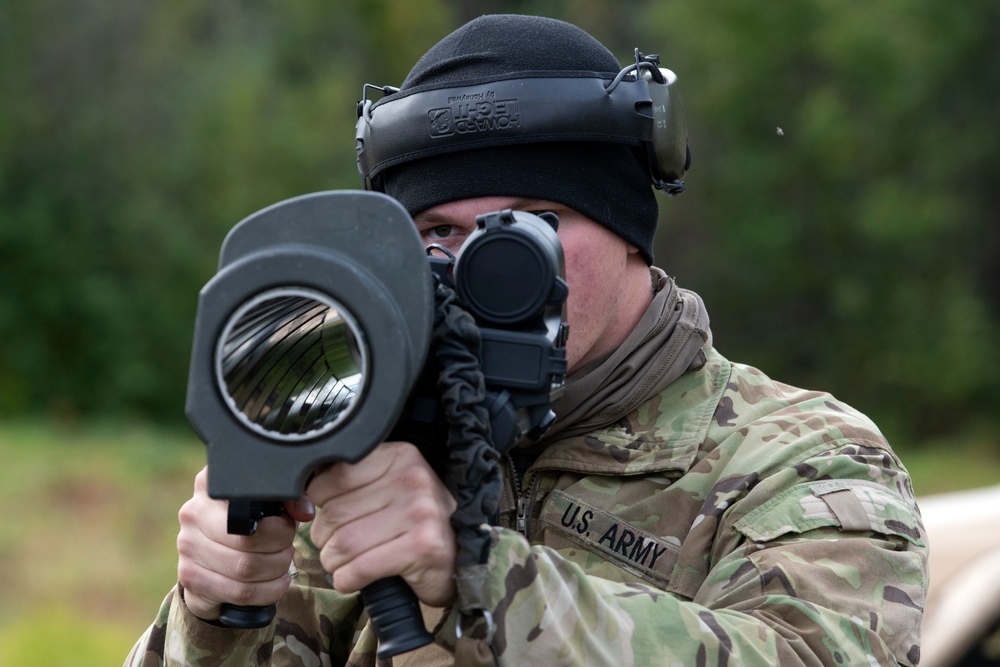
x=395, y=615
x=243, y=617
x=244, y=515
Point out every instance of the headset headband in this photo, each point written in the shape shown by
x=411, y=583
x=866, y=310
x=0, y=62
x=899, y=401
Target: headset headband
x=640, y=110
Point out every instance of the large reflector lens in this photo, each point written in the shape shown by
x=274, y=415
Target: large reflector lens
x=291, y=364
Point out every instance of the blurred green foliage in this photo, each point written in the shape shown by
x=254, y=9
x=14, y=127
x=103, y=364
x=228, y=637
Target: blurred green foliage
x=841, y=219
x=843, y=223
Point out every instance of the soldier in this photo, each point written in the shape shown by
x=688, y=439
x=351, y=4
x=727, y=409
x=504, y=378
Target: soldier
x=684, y=509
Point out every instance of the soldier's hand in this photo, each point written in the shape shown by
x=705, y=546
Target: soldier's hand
x=386, y=515
x=214, y=567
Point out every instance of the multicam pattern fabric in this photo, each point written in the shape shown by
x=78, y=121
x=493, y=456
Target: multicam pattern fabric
x=729, y=520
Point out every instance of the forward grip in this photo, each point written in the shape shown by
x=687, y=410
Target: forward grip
x=245, y=617
x=395, y=616
x=244, y=514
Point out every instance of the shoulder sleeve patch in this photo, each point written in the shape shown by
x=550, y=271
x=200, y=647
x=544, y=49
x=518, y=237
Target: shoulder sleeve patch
x=849, y=504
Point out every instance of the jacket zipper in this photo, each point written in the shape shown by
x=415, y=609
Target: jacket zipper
x=522, y=494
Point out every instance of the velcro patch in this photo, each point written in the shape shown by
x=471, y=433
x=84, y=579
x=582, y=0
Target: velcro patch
x=848, y=504
x=637, y=550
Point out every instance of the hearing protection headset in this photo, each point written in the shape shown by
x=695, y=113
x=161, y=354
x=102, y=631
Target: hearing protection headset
x=641, y=106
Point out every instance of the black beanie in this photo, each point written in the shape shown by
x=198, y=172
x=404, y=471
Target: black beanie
x=606, y=182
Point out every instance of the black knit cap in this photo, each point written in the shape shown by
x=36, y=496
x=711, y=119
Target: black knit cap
x=607, y=182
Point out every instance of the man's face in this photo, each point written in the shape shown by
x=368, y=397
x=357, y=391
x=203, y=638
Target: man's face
x=595, y=267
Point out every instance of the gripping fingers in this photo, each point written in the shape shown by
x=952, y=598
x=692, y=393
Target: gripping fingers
x=237, y=564
x=212, y=573
x=396, y=523
x=214, y=567
x=205, y=591
x=431, y=579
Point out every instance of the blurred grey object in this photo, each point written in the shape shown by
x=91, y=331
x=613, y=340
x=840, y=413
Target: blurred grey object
x=962, y=617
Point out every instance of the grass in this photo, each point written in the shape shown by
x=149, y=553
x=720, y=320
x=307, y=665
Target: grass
x=87, y=548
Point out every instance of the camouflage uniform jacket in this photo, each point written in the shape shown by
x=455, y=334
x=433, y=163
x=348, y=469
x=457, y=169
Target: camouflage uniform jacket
x=729, y=520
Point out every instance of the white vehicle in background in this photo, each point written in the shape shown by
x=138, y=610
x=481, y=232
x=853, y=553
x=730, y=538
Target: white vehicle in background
x=962, y=616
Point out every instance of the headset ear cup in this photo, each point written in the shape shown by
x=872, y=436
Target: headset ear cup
x=361, y=138
x=669, y=129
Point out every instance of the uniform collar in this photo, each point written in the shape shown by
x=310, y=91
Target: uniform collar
x=665, y=433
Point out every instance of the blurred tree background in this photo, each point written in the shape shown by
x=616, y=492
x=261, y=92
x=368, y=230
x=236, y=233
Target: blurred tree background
x=841, y=219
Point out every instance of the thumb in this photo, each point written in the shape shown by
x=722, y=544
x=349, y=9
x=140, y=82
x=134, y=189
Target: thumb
x=301, y=510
